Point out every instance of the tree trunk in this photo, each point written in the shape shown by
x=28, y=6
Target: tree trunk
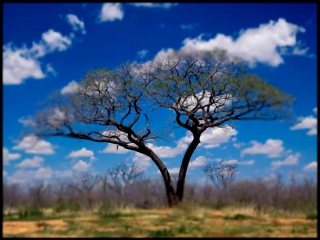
x=184, y=166
x=171, y=195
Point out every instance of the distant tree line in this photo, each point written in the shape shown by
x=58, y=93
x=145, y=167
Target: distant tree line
x=126, y=185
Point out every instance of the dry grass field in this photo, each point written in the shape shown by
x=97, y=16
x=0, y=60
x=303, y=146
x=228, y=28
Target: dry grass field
x=183, y=221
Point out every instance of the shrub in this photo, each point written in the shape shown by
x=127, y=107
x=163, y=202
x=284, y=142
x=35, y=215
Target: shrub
x=237, y=217
x=66, y=205
x=312, y=216
x=30, y=211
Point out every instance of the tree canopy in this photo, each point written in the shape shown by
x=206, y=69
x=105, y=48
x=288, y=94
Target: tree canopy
x=121, y=106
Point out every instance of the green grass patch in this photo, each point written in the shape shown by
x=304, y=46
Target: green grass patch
x=312, y=216
x=194, y=218
x=240, y=230
x=162, y=233
x=300, y=230
x=237, y=216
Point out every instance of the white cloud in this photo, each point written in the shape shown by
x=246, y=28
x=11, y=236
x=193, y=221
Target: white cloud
x=113, y=148
x=198, y=162
x=272, y=147
x=191, y=102
x=155, y=5
x=55, y=41
x=309, y=122
x=142, y=53
x=22, y=63
x=34, y=162
x=212, y=138
x=72, y=87
x=31, y=144
x=23, y=176
x=237, y=145
x=250, y=162
x=229, y=162
x=81, y=153
x=255, y=45
x=75, y=23
x=49, y=69
x=57, y=118
x=111, y=12
x=311, y=167
x=290, y=160
x=7, y=156
x=81, y=166
x=141, y=161
x=168, y=152
x=4, y=173
x=51, y=41
x=43, y=173
x=18, y=67
x=173, y=171
x=315, y=110
x=188, y=26
x=63, y=174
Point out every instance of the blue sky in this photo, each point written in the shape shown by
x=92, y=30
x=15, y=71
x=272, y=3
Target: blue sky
x=50, y=47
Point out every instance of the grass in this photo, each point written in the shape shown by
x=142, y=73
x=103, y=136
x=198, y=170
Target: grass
x=312, y=216
x=237, y=216
x=182, y=221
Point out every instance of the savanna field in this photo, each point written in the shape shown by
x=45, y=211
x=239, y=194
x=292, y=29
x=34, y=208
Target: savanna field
x=78, y=209
x=185, y=220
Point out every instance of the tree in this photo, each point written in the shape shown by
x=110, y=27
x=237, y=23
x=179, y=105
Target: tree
x=124, y=176
x=222, y=174
x=118, y=106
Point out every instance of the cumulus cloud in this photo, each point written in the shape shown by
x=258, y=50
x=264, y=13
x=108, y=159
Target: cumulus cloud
x=111, y=12
x=272, y=148
x=142, y=53
x=311, y=167
x=7, y=156
x=113, y=148
x=34, y=162
x=229, y=162
x=155, y=5
x=43, y=173
x=75, y=23
x=141, y=161
x=81, y=153
x=81, y=166
x=22, y=175
x=290, y=160
x=212, y=138
x=191, y=102
x=17, y=66
x=57, y=118
x=63, y=174
x=264, y=44
x=188, y=26
x=198, y=162
x=309, y=122
x=31, y=144
x=22, y=63
x=72, y=87
x=250, y=162
x=173, y=171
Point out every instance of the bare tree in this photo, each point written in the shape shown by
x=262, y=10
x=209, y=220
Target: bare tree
x=12, y=194
x=87, y=183
x=221, y=174
x=38, y=191
x=124, y=176
x=118, y=106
